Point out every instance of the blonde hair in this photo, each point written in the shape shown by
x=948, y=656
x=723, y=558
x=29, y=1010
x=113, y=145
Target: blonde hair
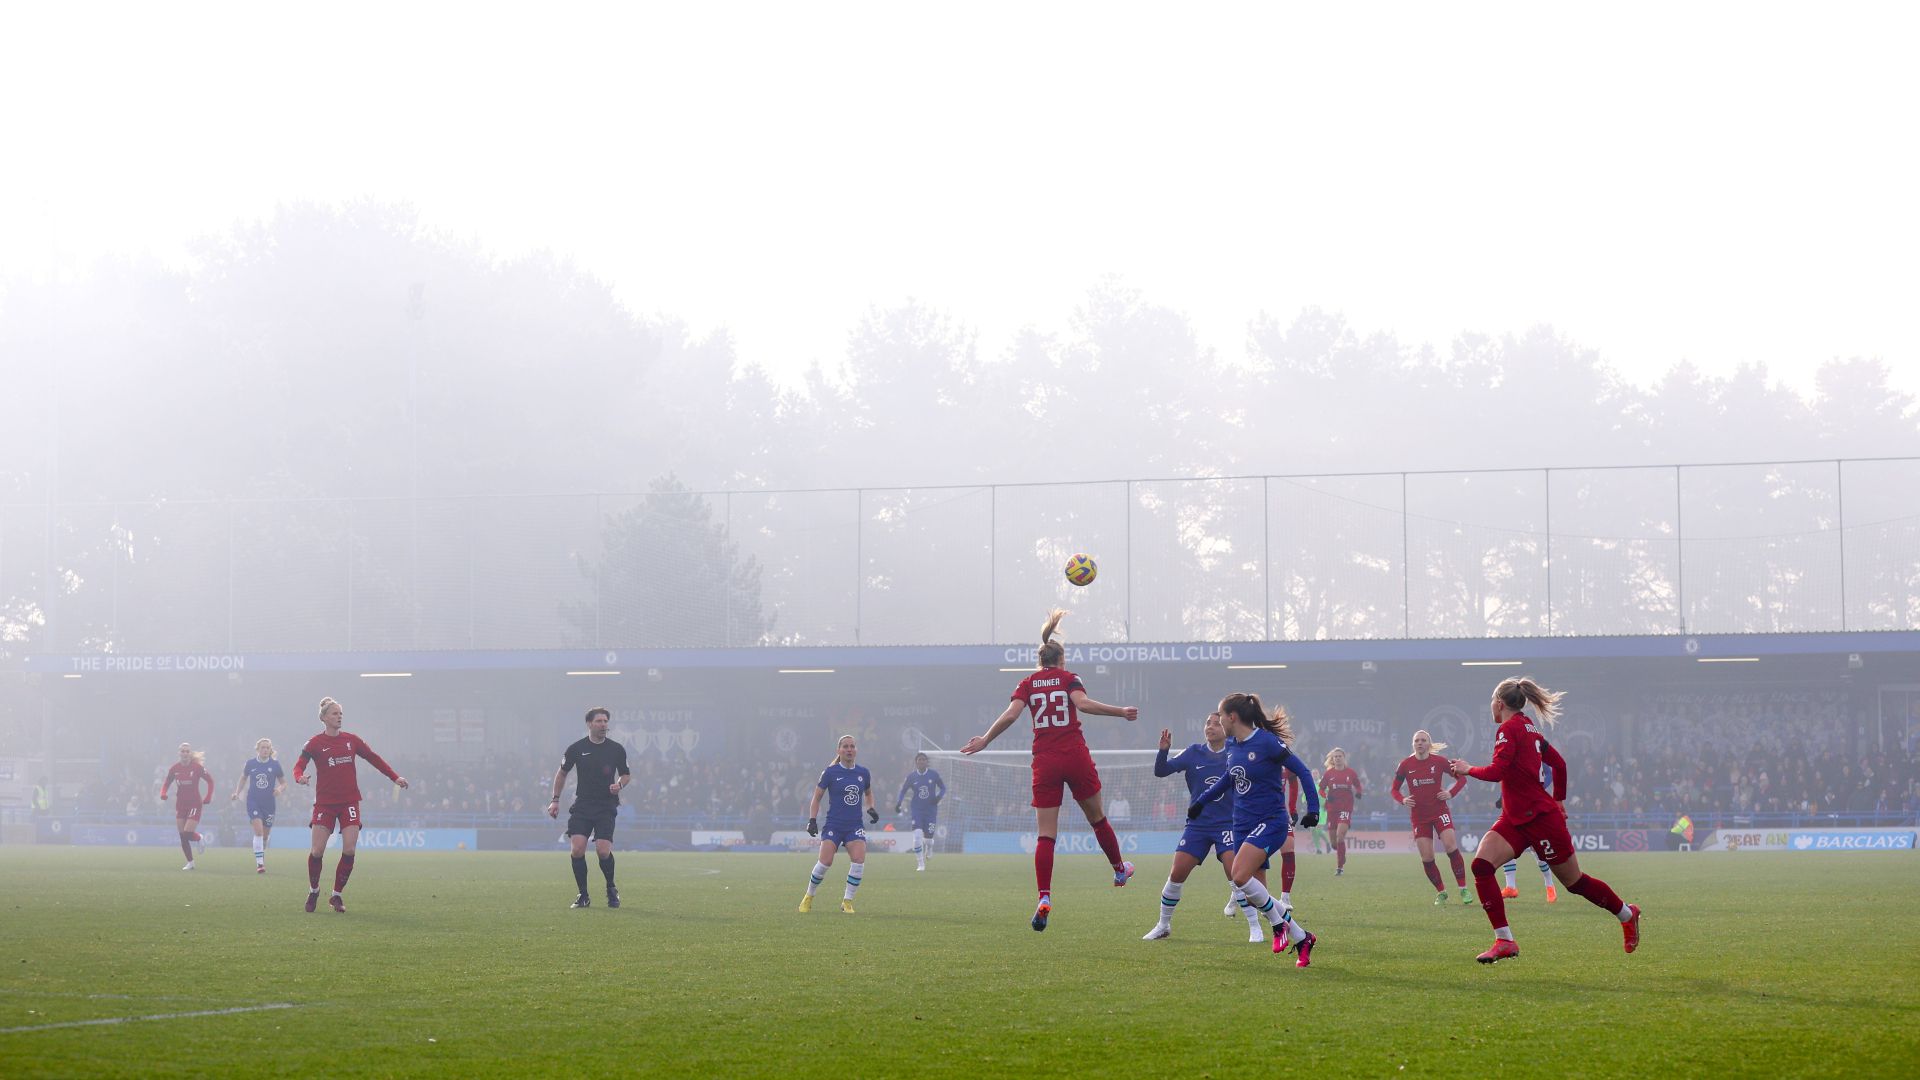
x=271, y=752
x=836, y=746
x=327, y=701
x=1052, y=653
x=1331, y=754
x=1436, y=747
x=1519, y=691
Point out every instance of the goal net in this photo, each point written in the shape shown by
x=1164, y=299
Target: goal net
x=989, y=803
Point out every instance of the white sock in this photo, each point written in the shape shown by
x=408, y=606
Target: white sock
x=1169, y=898
x=854, y=871
x=1295, y=932
x=1262, y=901
x=1287, y=900
x=819, y=873
x=259, y=849
x=1625, y=914
x=1546, y=874
x=920, y=842
x=1510, y=869
x=1503, y=933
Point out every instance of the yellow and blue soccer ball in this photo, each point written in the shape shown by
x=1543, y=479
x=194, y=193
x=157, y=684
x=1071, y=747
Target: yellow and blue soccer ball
x=1081, y=570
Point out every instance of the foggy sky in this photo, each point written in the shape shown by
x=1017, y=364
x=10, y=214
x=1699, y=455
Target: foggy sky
x=1723, y=183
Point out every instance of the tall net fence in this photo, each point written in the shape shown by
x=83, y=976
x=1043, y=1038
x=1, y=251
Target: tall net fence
x=1790, y=546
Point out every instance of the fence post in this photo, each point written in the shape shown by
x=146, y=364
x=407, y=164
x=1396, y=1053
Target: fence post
x=993, y=564
x=230, y=576
x=1127, y=624
x=1406, y=567
x=349, y=552
x=1679, y=550
x=1840, y=501
x=859, y=555
x=726, y=580
x=600, y=570
x=1266, y=558
x=1546, y=485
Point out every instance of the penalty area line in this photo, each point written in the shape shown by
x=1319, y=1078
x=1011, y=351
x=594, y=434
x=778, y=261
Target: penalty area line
x=158, y=1016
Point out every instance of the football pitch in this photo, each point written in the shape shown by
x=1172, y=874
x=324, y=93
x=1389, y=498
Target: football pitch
x=471, y=964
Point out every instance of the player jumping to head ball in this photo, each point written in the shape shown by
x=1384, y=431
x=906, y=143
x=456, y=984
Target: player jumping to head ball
x=1061, y=760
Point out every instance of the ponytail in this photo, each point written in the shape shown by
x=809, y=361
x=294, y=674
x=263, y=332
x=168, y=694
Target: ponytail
x=1282, y=725
x=1250, y=712
x=1518, y=692
x=1052, y=652
x=1432, y=745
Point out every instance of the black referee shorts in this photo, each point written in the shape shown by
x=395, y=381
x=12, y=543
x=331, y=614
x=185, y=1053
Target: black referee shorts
x=594, y=822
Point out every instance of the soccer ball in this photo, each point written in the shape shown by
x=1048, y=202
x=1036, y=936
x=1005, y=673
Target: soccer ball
x=1081, y=570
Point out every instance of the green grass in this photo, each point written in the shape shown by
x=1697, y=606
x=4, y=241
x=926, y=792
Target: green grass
x=466, y=964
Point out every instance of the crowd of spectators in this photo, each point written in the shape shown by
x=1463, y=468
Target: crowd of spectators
x=1716, y=757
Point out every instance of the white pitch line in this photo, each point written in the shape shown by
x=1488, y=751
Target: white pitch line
x=137, y=1019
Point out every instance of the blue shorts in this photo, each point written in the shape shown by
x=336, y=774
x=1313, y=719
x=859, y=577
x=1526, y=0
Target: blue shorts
x=261, y=812
x=924, y=824
x=844, y=834
x=1198, y=840
x=1269, y=835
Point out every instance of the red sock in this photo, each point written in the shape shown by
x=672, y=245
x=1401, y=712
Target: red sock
x=1340, y=850
x=1286, y=871
x=1043, y=864
x=1109, y=843
x=186, y=846
x=313, y=872
x=1433, y=875
x=341, y=872
x=1597, y=893
x=1459, y=869
x=1485, y=884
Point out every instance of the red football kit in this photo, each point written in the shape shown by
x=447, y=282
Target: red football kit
x=1340, y=787
x=188, y=799
x=1060, y=755
x=336, y=796
x=1529, y=817
x=1424, y=779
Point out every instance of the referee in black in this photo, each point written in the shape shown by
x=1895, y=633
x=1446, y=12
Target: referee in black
x=596, y=799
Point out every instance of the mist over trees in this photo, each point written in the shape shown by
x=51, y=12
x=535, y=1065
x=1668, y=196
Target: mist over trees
x=327, y=394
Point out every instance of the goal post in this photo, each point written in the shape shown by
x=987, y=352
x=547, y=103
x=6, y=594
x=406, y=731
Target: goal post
x=989, y=803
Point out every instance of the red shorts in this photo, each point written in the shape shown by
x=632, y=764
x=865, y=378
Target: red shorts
x=1340, y=816
x=336, y=816
x=1052, y=772
x=184, y=814
x=1546, y=835
x=1432, y=826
